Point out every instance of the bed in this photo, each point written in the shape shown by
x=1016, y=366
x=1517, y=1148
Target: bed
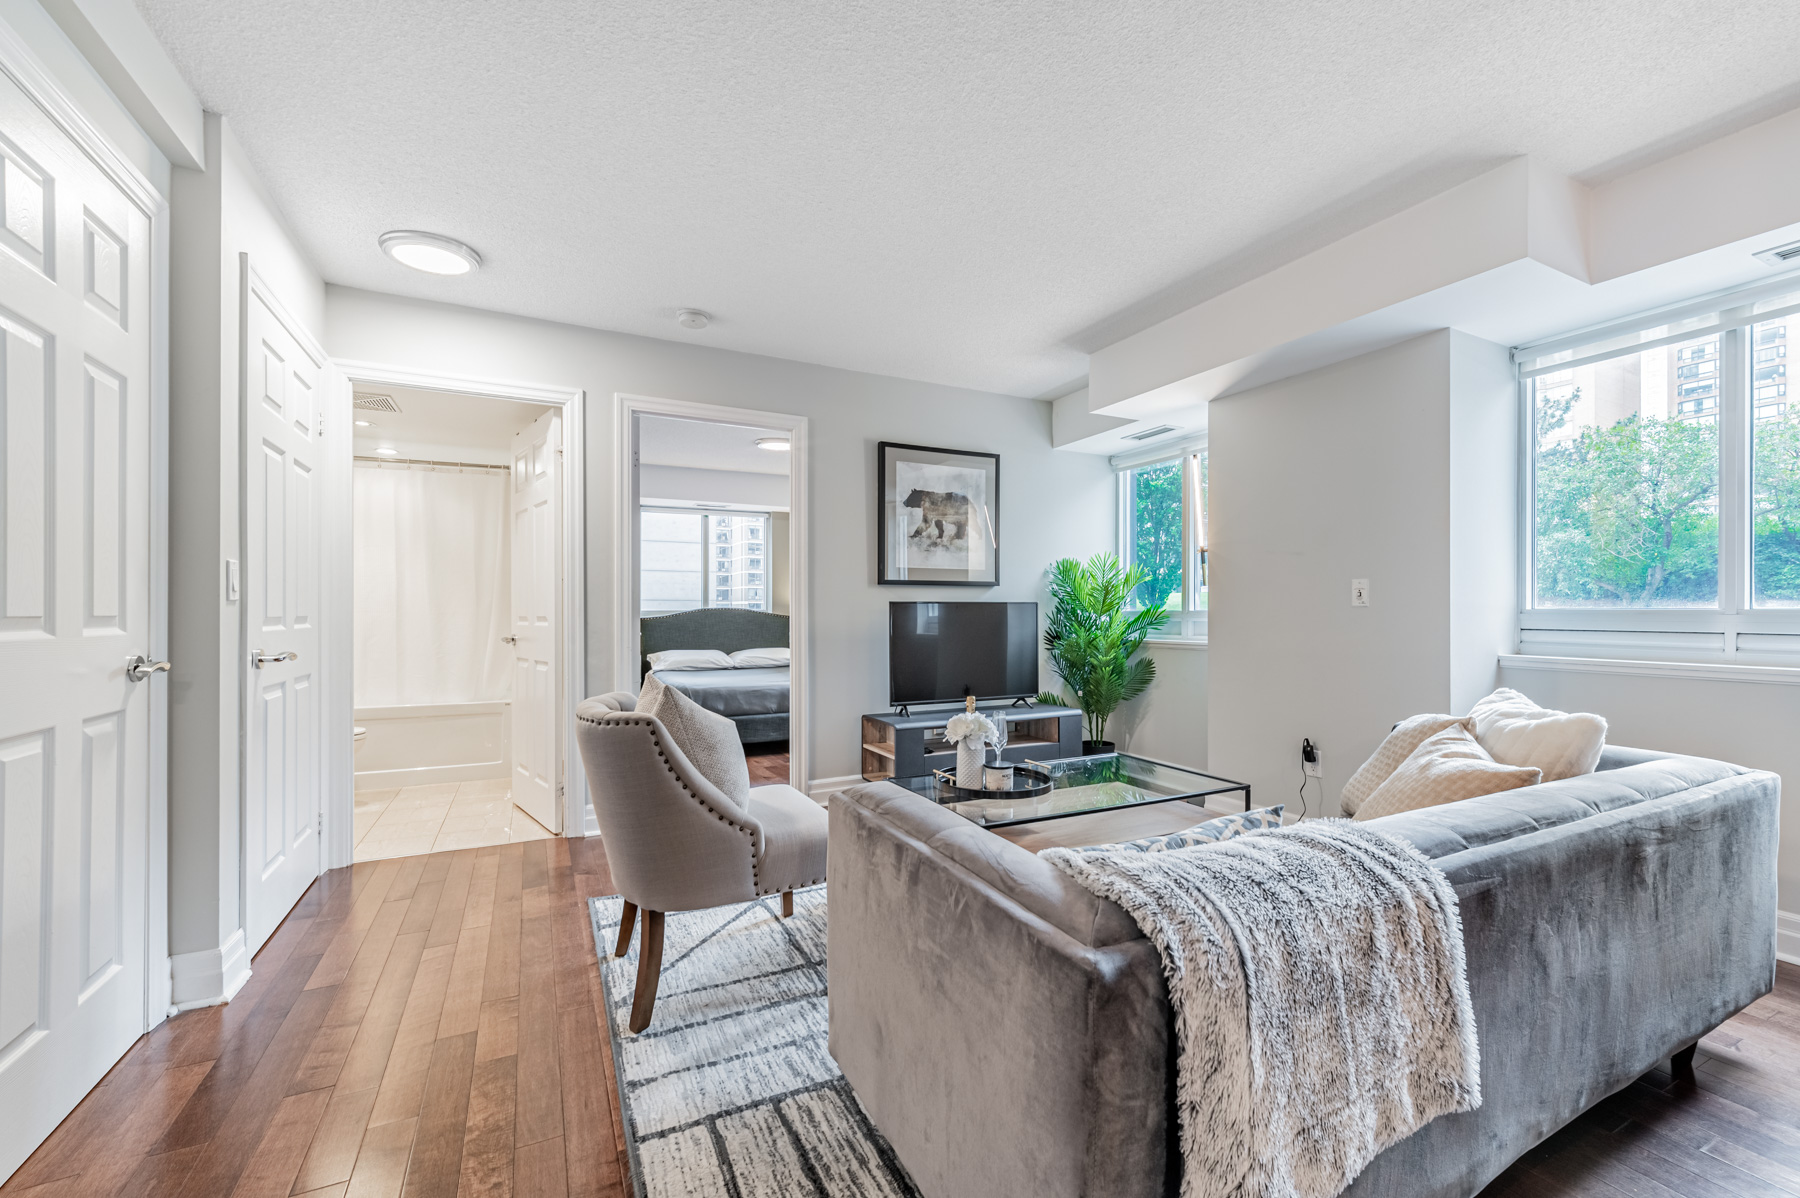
x=756, y=700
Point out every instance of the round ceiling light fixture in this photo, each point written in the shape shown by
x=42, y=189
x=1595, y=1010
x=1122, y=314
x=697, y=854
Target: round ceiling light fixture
x=429, y=252
x=692, y=318
x=387, y=451
x=363, y=423
x=774, y=444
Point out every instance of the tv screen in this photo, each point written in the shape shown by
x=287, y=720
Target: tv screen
x=941, y=652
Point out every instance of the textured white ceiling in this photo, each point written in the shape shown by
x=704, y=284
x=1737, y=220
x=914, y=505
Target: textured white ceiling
x=703, y=445
x=965, y=193
x=444, y=418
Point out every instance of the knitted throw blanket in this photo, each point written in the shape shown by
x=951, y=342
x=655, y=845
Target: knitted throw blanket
x=1321, y=1002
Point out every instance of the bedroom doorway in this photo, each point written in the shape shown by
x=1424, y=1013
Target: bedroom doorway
x=713, y=543
x=457, y=526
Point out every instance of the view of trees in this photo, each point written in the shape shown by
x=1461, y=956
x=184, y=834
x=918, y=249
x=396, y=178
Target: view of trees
x=1156, y=534
x=1628, y=515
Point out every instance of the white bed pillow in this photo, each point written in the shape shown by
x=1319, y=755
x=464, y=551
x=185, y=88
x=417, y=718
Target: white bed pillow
x=1448, y=766
x=761, y=659
x=709, y=740
x=1517, y=731
x=690, y=659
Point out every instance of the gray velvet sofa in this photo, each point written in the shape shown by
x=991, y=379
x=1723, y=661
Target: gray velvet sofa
x=1011, y=1034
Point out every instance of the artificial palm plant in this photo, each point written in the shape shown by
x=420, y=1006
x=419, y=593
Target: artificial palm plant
x=1091, y=638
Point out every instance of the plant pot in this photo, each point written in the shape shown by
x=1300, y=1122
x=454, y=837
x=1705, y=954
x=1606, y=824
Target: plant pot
x=1090, y=748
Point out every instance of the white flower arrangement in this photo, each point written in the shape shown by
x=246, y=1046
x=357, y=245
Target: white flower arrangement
x=972, y=725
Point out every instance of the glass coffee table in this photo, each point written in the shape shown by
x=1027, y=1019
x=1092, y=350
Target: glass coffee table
x=1079, y=786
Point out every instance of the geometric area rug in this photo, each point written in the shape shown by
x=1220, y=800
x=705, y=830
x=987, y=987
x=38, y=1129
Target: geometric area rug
x=730, y=1092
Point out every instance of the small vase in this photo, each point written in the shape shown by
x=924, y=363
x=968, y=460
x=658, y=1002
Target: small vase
x=968, y=764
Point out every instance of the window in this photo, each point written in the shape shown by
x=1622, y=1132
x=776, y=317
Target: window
x=1664, y=493
x=675, y=572
x=1163, y=531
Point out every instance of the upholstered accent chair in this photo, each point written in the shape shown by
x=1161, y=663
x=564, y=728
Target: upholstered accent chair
x=675, y=842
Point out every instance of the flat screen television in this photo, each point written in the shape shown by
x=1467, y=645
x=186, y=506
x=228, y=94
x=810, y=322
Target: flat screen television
x=941, y=652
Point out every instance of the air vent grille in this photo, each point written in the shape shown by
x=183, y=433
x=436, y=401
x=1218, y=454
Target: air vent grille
x=1148, y=433
x=375, y=403
x=1781, y=255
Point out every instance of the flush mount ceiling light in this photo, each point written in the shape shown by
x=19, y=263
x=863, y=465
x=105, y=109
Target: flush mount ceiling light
x=363, y=423
x=774, y=444
x=692, y=318
x=429, y=252
x=387, y=451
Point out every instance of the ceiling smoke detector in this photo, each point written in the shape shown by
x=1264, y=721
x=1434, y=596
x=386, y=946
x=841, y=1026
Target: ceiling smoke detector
x=375, y=403
x=430, y=252
x=1148, y=433
x=692, y=318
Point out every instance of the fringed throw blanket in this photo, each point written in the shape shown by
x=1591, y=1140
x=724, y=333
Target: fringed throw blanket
x=1321, y=1001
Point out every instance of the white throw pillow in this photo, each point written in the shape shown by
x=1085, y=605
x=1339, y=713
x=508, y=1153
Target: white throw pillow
x=690, y=659
x=759, y=659
x=708, y=739
x=1516, y=731
x=1407, y=735
x=1447, y=766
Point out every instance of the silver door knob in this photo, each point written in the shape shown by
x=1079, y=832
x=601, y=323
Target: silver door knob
x=511, y=640
x=268, y=659
x=141, y=667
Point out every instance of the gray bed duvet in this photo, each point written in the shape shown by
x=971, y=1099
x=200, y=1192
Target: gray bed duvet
x=733, y=692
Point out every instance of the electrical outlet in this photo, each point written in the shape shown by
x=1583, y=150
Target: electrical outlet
x=1359, y=592
x=1310, y=763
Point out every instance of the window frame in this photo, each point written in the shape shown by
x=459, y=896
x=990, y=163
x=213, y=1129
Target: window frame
x=1733, y=631
x=708, y=546
x=1189, y=625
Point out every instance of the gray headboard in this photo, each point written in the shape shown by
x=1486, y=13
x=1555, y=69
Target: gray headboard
x=724, y=628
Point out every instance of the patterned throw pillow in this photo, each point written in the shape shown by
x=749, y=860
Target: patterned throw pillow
x=1210, y=832
x=1406, y=736
x=709, y=740
x=1448, y=767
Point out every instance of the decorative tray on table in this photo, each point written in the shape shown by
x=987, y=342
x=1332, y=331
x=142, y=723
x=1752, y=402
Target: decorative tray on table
x=1027, y=783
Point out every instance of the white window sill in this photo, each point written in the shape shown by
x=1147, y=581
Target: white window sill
x=1177, y=642
x=1710, y=671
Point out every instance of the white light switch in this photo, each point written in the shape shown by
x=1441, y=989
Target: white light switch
x=231, y=580
x=1359, y=592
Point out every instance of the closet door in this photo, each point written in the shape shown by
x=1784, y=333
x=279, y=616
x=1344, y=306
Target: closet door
x=536, y=620
x=283, y=431
x=74, y=612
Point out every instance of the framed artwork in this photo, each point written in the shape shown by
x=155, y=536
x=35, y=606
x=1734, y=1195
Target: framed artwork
x=940, y=516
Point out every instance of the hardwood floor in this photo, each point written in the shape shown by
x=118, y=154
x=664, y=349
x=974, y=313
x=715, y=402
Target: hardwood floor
x=432, y=1027
x=768, y=762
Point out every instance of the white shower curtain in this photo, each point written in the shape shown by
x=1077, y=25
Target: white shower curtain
x=432, y=585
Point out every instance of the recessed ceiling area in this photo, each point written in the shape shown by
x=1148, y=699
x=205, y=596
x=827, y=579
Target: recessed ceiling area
x=703, y=445
x=963, y=193
x=441, y=419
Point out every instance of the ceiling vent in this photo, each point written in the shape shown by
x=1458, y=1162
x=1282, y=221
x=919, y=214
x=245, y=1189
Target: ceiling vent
x=1781, y=255
x=375, y=403
x=1148, y=433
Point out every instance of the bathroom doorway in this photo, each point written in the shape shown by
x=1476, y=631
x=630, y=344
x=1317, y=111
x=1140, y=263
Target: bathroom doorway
x=456, y=581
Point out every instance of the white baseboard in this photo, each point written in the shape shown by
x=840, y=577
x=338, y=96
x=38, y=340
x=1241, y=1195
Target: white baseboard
x=821, y=789
x=1787, y=937
x=208, y=977
x=431, y=775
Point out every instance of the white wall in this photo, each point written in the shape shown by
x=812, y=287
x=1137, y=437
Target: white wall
x=217, y=214
x=684, y=483
x=1747, y=723
x=1355, y=471
x=1168, y=721
x=1051, y=504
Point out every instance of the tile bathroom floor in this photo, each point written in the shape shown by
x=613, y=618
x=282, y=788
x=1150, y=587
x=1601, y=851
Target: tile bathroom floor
x=434, y=819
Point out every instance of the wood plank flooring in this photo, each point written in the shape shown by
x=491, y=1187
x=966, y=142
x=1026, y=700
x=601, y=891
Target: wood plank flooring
x=431, y=1027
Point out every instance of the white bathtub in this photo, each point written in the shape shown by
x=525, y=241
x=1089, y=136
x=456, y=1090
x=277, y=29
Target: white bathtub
x=426, y=743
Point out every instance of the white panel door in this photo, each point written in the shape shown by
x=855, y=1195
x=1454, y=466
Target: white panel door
x=283, y=796
x=74, y=609
x=536, y=710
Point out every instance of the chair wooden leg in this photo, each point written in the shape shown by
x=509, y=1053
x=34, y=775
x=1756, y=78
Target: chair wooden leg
x=1681, y=1065
x=649, y=970
x=787, y=904
x=627, y=917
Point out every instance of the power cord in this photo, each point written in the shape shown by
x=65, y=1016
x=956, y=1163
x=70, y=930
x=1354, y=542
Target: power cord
x=1308, y=756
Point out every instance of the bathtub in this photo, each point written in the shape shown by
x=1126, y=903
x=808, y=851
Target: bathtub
x=420, y=744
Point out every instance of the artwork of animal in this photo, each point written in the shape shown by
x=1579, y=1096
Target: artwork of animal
x=943, y=518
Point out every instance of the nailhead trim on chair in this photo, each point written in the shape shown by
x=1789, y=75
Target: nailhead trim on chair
x=656, y=742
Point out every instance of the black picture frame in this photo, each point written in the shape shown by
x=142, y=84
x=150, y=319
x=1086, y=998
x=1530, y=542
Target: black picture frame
x=919, y=544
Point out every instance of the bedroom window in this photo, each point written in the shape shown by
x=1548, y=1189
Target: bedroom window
x=691, y=559
x=1162, y=529
x=1663, y=487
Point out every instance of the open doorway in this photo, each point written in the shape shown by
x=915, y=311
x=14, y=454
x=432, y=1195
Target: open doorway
x=714, y=541
x=455, y=576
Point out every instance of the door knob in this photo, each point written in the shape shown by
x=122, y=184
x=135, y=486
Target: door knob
x=141, y=667
x=268, y=659
x=511, y=640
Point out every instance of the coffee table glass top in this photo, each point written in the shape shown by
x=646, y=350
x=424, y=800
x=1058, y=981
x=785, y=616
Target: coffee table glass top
x=1080, y=785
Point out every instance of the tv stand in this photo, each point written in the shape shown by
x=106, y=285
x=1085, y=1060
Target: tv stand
x=902, y=745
